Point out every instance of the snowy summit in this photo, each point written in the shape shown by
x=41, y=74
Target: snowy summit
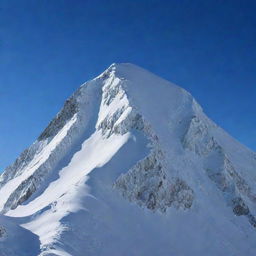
x=130, y=166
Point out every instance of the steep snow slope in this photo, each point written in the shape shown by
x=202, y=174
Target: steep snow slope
x=15, y=240
x=132, y=166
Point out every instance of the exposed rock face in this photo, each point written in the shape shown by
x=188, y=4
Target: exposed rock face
x=111, y=124
x=239, y=207
x=37, y=162
x=2, y=232
x=67, y=112
x=219, y=168
x=22, y=193
x=21, y=162
x=197, y=137
x=148, y=185
x=41, y=170
x=30, y=184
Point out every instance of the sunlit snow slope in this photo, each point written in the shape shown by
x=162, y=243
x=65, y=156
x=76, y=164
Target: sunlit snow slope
x=130, y=166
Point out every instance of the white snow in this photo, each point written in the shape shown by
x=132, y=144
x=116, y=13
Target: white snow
x=142, y=171
x=15, y=240
x=66, y=198
x=34, y=164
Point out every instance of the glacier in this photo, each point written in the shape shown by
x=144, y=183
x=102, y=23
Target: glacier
x=131, y=165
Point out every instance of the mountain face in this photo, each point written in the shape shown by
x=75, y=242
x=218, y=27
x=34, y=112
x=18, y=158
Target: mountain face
x=130, y=166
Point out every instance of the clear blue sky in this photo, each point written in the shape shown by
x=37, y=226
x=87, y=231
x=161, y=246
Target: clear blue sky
x=48, y=48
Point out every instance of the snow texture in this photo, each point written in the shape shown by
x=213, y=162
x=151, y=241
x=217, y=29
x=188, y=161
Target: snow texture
x=130, y=166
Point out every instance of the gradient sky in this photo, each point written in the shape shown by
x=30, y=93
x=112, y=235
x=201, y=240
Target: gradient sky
x=49, y=47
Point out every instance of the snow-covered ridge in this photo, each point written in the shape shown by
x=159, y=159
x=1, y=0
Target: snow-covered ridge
x=219, y=168
x=131, y=144
x=15, y=240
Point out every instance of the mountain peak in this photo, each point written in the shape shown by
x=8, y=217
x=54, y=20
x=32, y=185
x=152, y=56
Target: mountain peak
x=129, y=157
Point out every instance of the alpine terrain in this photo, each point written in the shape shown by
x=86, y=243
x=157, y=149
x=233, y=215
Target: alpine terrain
x=131, y=166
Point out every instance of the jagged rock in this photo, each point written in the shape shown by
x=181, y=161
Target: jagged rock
x=252, y=220
x=197, y=137
x=67, y=112
x=2, y=232
x=218, y=167
x=21, y=162
x=147, y=185
x=239, y=207
x=22, y=193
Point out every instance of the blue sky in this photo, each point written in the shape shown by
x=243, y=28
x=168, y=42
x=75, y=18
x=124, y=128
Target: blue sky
x=48, y=48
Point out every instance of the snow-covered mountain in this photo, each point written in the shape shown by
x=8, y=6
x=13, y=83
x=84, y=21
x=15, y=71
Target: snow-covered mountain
x=130, y=166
